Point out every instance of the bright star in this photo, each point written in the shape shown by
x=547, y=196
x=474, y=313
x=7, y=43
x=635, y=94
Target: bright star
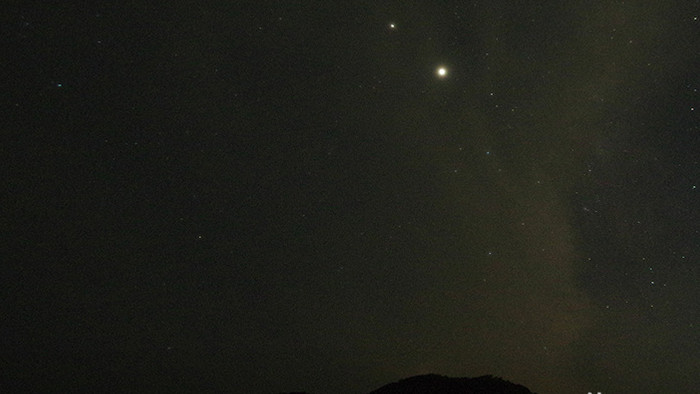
x=441, y=72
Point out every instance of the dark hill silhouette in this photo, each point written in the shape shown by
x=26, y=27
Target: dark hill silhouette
x=437, y=384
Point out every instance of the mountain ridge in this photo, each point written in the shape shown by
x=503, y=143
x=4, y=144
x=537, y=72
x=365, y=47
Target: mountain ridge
x=439, y=384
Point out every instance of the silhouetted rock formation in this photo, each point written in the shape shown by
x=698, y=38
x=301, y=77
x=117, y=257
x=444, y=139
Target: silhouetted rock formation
x=436, y=384
x=296, y=392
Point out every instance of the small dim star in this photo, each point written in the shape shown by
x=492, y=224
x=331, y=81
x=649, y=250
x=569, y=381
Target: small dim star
x=392, y=26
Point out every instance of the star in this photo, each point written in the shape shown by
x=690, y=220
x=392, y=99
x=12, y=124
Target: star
x=441, y=72
x=392, y=26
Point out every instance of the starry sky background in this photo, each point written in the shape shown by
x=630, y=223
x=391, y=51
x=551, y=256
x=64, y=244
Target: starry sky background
x=275, y=196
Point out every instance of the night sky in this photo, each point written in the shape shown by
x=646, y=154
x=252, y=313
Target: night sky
x=272, y=196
